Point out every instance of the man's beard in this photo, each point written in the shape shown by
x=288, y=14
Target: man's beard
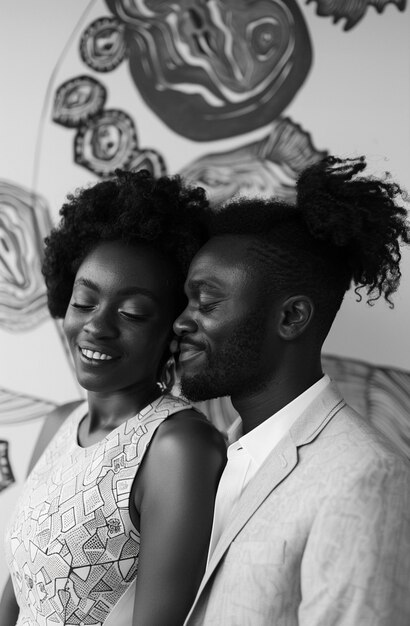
x=234, y=369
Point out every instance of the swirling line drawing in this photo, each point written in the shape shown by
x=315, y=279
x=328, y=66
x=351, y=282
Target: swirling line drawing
x=78, y=99
x=352, y=11
x=102, y=44
x=263, y=168
x=106, y=142
x=24, y=222
x=148, y=159
x=17, y=408
x=211, y=70
x=6, y=473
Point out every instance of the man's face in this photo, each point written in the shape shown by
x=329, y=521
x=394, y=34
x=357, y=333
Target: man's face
x=225, y=332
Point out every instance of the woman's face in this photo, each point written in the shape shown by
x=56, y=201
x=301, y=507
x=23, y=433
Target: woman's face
x=119, y=319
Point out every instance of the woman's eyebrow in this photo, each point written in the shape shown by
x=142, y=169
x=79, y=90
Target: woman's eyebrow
x=86, y=282
x=127, y=291
x=137, y=291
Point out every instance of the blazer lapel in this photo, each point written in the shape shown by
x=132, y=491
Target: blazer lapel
x=272, y=472
x=277, y=467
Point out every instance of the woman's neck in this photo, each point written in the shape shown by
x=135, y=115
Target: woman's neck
x=107, y=410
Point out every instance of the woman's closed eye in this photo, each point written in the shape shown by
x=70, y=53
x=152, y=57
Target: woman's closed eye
x=82, y=305
x=133, y=315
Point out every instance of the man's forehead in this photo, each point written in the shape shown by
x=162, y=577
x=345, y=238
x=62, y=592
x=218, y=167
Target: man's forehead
x=222, y=259
x=225, y=248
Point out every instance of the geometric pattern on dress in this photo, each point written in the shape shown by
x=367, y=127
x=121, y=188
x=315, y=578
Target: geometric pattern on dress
x=71, y=547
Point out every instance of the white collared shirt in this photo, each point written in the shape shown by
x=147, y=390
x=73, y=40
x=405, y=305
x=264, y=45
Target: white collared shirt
x=247, y=453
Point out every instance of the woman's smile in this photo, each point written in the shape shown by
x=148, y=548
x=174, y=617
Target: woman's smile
x=96, y=356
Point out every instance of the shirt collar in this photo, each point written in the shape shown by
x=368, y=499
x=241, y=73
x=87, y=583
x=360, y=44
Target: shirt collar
x=260, y=441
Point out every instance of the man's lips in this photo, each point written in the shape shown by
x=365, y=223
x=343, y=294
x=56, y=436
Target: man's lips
x=189, y=351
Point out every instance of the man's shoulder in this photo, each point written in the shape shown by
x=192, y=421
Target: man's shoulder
x=334, y=432
x=348, y=451
x=359, y=436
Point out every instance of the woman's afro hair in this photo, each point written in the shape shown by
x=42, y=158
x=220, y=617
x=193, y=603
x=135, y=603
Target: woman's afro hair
x=133, y=207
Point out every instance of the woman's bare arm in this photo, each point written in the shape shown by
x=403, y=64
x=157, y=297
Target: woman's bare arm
x=175, y=498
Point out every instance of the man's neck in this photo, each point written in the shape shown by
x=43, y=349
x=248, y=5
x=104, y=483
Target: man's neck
x=257, y=407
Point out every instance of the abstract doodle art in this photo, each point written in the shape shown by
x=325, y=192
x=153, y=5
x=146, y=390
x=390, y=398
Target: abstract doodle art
x=211, y=70
x=6, y=473
x=263, y=168
x=108, y=141
x=78, y=99
x=24, y=222
x=16, y=408
x=149, y=160
x=102, y=45
x=380, y=394
x=352, y=11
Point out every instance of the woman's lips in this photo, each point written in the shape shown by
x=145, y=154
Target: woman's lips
x=95, y=357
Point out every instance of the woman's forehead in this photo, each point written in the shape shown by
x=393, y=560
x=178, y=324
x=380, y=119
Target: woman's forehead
x=141, y=266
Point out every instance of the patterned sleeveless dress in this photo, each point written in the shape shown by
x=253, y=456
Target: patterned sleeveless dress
x=71, y=547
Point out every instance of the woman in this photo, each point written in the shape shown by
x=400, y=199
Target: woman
x=129, y=480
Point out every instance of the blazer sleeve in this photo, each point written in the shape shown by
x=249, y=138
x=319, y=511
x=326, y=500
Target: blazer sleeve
x=356, y=564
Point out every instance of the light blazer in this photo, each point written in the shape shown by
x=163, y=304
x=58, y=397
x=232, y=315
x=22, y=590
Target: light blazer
x=320, y=536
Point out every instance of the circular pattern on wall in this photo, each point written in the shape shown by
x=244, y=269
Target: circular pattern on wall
x=150, y=160
x=108, y=141
x=102, y=44
x=78, y=99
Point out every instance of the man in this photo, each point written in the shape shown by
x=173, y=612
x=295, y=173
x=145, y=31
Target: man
x=312, y=515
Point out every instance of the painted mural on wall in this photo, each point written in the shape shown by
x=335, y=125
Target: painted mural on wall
x=24, y=222
x=266, y=167
x=209, y=71
x=212, y=70
x=17, y=408
x=105, y=139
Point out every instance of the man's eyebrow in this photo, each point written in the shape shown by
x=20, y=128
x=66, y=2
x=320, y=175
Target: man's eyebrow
x=200, y=283
x=127, y=291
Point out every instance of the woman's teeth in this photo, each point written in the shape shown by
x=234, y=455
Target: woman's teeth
x=99, y=356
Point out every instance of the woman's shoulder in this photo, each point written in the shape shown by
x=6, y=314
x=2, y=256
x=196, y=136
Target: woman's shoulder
x=189, y=429
x=186, y=451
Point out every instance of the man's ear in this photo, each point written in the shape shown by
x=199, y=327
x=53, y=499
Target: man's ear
x=296, y=315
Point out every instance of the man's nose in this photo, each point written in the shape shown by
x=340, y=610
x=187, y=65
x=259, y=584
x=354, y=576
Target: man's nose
x=184, y=323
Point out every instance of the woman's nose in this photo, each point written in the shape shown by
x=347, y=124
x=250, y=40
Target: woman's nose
x=184, y=323
x=101, y=324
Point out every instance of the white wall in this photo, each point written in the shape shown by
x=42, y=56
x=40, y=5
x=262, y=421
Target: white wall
x=356, y=100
